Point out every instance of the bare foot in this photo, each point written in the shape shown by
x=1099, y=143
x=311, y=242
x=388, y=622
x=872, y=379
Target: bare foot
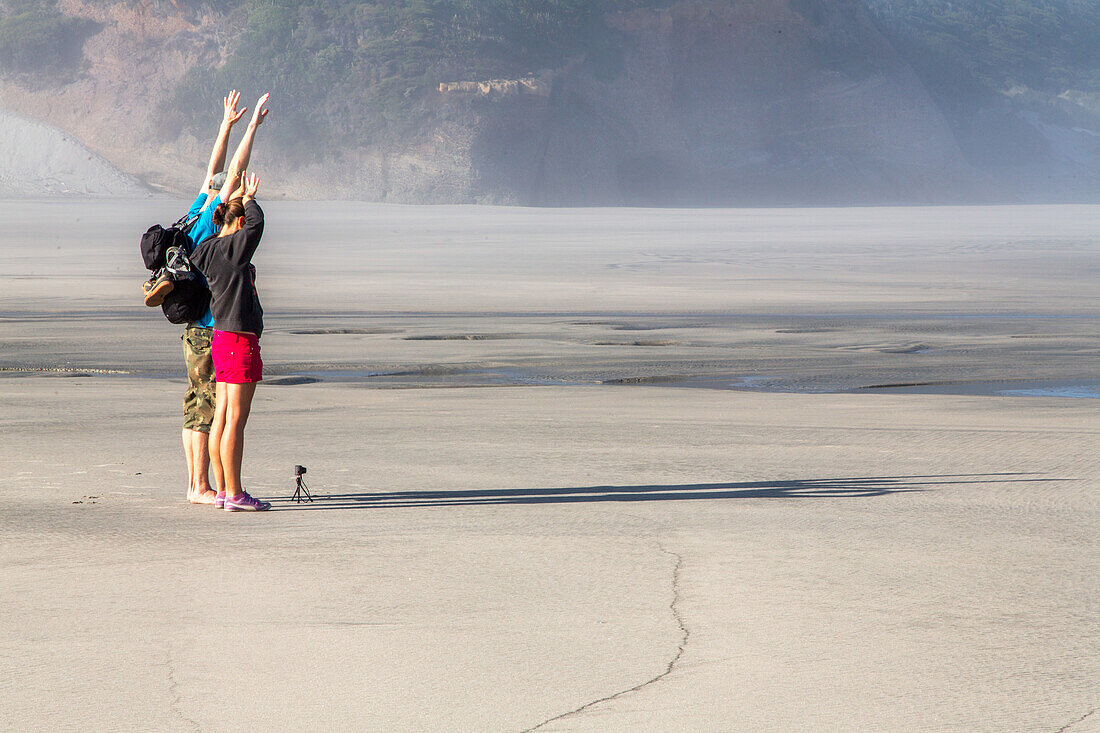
x=206, y=496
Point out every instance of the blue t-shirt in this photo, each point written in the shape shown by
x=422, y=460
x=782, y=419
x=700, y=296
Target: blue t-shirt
x=203, y=229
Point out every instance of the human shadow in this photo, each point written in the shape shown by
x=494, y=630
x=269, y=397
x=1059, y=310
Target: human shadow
x=824, y=488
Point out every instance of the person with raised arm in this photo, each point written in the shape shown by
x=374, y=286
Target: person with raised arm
x=199, y=401
x=226, y=261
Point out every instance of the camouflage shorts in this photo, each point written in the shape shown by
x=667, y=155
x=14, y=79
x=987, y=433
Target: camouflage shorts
x=198, y=403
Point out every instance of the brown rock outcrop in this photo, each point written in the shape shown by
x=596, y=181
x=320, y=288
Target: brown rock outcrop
x=499, y=87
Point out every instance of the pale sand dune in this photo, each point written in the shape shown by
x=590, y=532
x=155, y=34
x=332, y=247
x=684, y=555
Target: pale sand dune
x=591, y=557
x=39, y=160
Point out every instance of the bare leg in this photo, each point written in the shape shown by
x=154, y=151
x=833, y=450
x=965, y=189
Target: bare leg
x=237, y=399
x=189, y=455
x=215, y=439
x=201, y=493
x=200, y=448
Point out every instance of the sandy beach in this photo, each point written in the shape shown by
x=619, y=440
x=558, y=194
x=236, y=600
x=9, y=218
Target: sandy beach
x=575, y=470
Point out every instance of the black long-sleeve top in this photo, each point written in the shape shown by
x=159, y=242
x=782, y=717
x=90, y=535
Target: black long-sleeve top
x=227, y=264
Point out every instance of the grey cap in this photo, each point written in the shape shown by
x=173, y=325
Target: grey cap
x=218, y=181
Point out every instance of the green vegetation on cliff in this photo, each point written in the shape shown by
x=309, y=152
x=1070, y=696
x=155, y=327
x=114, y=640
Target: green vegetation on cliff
x=704, y=99
x=1047, y=45
x=358, y=70
x=37, y=39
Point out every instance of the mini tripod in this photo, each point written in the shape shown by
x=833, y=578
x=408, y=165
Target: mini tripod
x=301, y=491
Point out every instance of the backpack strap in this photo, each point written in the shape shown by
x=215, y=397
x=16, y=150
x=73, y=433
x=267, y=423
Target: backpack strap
x=186, y=222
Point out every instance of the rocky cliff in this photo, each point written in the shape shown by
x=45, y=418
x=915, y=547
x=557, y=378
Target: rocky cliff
x=722, y=102
x=752, y=102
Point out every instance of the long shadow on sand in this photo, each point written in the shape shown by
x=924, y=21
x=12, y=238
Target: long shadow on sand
x=826, y=488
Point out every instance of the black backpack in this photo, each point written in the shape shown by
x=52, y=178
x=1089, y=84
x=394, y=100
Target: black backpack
x=187, y=302
x=166, y=249
x=156, y=242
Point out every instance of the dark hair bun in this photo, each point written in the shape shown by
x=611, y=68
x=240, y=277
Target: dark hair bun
x=228, y=212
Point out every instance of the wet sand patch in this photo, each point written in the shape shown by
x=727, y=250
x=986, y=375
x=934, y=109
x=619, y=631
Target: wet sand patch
x=1075, y=389
x=343, y=331
x=291, y=381
x=467, y=337
x=808, y=330
x=641, y=342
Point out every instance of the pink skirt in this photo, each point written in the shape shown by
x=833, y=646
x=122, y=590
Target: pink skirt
x=237, y=357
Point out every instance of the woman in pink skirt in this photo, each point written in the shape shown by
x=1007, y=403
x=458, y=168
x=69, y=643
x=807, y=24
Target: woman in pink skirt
x=226, y=261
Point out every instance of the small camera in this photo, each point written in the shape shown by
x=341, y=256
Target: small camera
x=301, y=491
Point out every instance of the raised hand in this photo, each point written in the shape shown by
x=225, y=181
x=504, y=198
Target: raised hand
x=260, y=113
x=251, y=183
x=230, y=114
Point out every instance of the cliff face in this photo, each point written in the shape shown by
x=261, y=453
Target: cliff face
x=762, y=102
x=724, y=102
x=130, y=67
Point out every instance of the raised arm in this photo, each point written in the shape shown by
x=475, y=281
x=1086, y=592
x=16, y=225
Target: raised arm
x=233, y=188
x=253, y=228
x=244, y=150
x=230, y=116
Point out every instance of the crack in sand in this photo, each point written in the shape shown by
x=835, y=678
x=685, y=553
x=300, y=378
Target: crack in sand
x=174, y=690
x=674, y=607
x=1067, y=726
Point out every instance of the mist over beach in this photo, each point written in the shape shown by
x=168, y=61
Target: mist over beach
x=768, y=401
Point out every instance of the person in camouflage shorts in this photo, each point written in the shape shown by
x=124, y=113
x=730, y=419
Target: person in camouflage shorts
x=199, y=400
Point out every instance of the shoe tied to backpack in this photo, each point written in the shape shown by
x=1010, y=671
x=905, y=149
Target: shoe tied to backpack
x=157, y=288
